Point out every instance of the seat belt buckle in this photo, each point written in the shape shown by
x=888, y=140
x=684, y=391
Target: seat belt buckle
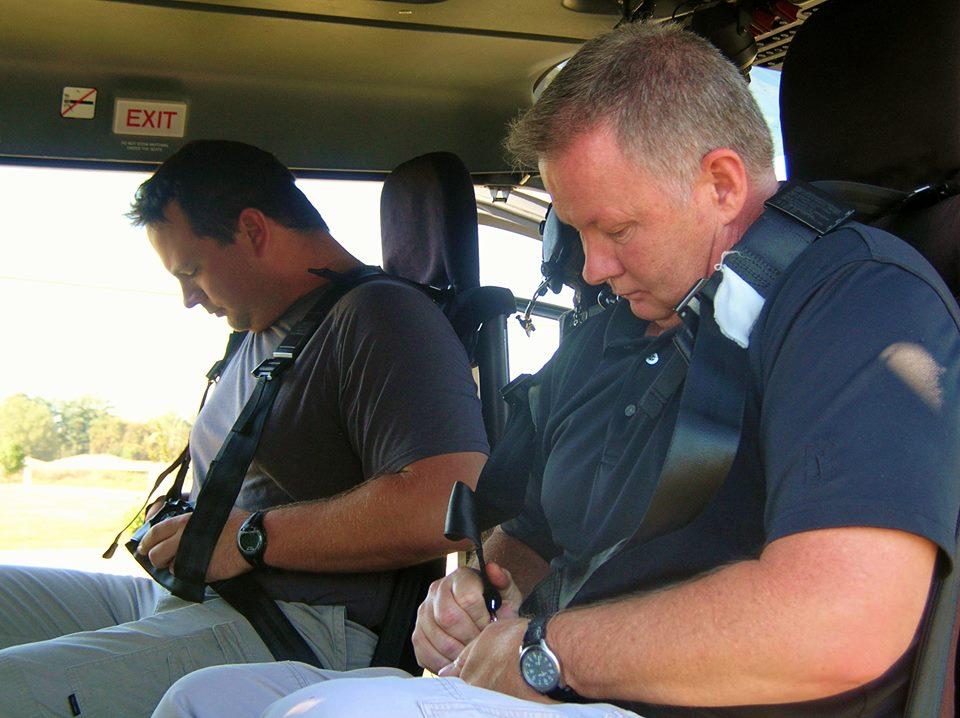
x=460, y=524
x=271, y=367
x=515, y=391
x=215, y=370
x=690, y=301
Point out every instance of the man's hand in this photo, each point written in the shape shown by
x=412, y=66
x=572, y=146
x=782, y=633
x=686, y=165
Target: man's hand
x=161, y=542
x=492, y=661
x=453, y=614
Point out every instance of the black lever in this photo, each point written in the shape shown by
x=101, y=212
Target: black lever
x=461, y=524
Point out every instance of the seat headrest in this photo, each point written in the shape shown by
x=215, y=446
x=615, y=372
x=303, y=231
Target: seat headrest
x=870, y=92
x=428, y=222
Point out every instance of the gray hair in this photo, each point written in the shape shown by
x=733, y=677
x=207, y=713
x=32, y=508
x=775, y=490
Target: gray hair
x=669, y=95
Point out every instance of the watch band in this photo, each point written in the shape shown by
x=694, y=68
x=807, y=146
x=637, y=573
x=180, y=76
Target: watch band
x=536, y=635
x=536, y=630
x=253, y=524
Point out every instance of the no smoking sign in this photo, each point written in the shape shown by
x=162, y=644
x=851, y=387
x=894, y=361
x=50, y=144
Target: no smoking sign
x=78, y=103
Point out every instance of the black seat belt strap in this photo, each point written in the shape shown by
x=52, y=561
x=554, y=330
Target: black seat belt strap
x=250, y=600
x=709, y=422
x=700, y=453
x=664, y=386
x=219, y=494
x=796, y=216
x=710, y=419
x=224, y=480
x=873, y=203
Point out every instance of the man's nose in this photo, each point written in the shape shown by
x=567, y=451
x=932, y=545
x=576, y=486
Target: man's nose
x=192, y=295
x=599, y=261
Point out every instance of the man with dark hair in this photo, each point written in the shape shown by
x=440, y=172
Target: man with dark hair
x=800, y=587
x=213, y=181
x=374, y=422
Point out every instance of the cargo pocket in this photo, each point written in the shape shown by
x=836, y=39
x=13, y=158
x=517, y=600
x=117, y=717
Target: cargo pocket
x=132, y=683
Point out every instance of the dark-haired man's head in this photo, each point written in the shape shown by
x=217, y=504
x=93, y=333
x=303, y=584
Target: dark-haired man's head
x=229, y=223
x=214, y=180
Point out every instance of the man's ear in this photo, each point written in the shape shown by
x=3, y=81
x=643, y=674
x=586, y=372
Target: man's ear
x=724, y=174
x=253, y=229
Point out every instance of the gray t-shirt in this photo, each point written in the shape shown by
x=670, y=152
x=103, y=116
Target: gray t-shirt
x=383, y=382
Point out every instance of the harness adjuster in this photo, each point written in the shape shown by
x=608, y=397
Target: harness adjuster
x=216, y=370
x=690, y=300
x=271, y=367
x=810, y=207
x=515, y=391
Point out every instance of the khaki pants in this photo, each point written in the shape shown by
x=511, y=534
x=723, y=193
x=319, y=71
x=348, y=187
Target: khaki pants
x=295, y=690
x=81, y=644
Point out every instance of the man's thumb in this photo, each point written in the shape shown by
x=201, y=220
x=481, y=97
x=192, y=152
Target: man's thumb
x=499, y=576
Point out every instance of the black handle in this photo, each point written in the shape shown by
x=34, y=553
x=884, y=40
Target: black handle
x=461, y=523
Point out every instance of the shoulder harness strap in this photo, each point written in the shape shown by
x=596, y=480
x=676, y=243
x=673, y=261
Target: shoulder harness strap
x=225, y=478
x=709, y=423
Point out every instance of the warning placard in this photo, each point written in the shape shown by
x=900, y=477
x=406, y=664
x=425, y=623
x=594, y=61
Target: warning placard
x=78, y=103
x=150, y=118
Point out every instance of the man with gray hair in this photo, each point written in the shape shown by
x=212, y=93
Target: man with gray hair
x=799, y=590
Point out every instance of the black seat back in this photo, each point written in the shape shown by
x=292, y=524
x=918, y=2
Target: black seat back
x=428, y=231
x=870, y=93
x=428, y=222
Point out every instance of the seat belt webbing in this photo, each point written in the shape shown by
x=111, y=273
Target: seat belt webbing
x=709, y=422
x=224, y=480
x=226, y=472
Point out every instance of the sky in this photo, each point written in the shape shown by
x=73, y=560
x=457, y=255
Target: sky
x=87, y=308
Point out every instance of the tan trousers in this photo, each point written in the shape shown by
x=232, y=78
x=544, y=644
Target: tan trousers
x=81, y=644
x=295, y=690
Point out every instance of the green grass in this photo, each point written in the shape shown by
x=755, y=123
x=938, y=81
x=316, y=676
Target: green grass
x=63, y=515
x=92, y=479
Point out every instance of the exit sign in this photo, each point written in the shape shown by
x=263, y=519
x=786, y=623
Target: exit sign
x=150, y=118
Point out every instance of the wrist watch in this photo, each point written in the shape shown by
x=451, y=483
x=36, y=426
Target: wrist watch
x=252, y=539
x=540, y=666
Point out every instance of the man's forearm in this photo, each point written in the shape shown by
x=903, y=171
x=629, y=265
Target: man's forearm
x=390, y=521
x=780, y=629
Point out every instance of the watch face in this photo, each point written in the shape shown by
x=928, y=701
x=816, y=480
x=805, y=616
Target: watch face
x=250, y=541
x=539, y=670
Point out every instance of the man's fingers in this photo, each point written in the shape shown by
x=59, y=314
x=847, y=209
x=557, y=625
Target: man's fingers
x=162, y=554
x=445, y=644
x=444, y=621
x=455, y=605
x=499, y=576
x=466, y=589
x=428, y=654
x=452, y=670
x=161, y=532
x=509, y=592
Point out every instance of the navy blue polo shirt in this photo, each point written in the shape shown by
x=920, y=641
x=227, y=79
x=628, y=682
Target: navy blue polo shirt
x=852, y=419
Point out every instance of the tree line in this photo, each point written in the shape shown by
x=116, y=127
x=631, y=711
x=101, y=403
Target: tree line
x=47, y=430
